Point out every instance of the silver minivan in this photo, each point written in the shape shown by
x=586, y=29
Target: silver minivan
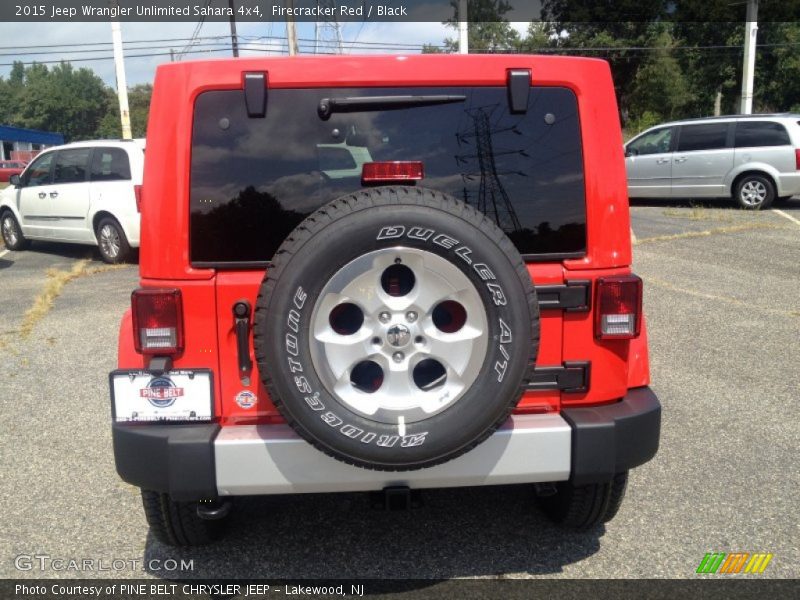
x=753, y=159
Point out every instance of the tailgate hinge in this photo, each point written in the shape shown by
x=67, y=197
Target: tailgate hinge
x=519, y=87
x=572, y=376
x=255, y=94
x=573, y=296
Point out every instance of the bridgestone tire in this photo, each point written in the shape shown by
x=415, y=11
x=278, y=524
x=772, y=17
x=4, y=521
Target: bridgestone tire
x=409, y=221
x=176, y=523
x=583, y=507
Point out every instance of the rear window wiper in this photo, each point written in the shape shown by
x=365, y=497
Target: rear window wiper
x=328, y=106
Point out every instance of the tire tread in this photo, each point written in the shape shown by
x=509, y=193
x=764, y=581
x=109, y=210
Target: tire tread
x=375, y=198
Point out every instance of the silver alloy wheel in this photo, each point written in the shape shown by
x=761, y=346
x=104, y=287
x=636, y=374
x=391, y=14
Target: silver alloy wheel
x=398, y=335
x=10, y=230
x=753, y=193
x=109, y=241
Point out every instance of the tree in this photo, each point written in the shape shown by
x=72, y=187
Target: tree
x=60, y=99
x=777, y=77
x=139, y=107
x=659, y=88
x=488, y=29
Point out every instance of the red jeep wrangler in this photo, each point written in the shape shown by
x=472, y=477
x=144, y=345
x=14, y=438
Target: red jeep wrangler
x=382, y=273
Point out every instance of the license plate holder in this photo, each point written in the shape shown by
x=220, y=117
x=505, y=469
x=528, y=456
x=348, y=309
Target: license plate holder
x=180, y=395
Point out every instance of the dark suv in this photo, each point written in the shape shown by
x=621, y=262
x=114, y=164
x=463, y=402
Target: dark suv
x=382, y=273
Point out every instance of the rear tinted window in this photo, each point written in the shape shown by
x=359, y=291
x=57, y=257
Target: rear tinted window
x=254, y=180
x=711, y=136
x=761, y=133
x=110, y=164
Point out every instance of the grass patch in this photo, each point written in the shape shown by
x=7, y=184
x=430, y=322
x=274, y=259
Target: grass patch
x=56, y=280
x=696, y=213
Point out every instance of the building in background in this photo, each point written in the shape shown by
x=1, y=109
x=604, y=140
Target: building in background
x=17, y=143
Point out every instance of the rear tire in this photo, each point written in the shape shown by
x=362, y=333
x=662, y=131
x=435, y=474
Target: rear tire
x=176, y=523
x=754, y=192
x=111, y=241
x=13, y=237
x=583, y=507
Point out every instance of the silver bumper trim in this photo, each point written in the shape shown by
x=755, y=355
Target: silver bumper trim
x=273, y=459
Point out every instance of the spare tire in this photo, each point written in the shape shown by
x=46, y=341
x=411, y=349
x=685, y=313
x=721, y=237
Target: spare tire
x=396, y=329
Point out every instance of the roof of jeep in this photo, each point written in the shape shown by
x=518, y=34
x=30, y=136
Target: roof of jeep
x=386, y=70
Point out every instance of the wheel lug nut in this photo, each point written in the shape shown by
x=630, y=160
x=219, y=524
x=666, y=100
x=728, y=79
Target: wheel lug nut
x=411, y=316
x=384, y=317
x=398, y=357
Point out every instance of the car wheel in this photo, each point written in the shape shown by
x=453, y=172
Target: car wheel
x=396, y=329
x=12, y=232
x=585, y=506
x=111, y=241
x=754, y=192
x=177, y=523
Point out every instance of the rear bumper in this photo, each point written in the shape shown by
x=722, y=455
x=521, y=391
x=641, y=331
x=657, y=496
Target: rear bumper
x=789, y=184
x=204, y=461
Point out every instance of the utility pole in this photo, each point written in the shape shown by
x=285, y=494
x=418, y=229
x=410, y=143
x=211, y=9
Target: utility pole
x=748, y=72
x=463, y=28
x=291, y=29
x=234, y=39
x=122, y=84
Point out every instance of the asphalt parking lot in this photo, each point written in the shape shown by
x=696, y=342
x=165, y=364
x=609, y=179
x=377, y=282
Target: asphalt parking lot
x=723, y=309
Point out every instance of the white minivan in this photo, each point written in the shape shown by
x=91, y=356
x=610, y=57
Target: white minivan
x=83, y=193
x=753, y=159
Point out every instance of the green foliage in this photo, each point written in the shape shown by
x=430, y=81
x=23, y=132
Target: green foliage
x=138, y=106
x=488, y=29
x=66, y=100
x=62, y=99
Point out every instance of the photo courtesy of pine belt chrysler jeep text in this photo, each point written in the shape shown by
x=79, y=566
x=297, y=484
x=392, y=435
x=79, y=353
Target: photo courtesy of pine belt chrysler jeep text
x=382, y=273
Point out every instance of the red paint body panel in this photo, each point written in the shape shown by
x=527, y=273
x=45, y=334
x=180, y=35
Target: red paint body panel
x=233, y=286
x=7, y=172
x=209, y=295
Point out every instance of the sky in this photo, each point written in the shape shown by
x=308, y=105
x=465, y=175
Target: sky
x=14, y=37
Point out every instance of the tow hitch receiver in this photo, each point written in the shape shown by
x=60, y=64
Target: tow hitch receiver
x=399, y=497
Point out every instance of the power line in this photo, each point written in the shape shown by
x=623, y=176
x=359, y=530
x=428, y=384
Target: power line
x=277, y=44
x=195, y=33
x=126, y=42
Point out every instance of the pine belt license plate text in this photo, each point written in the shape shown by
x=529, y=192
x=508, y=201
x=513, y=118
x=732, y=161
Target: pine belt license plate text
x=173, y=396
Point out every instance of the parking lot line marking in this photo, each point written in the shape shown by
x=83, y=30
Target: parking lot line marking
x=4, y=252
x=775, y=210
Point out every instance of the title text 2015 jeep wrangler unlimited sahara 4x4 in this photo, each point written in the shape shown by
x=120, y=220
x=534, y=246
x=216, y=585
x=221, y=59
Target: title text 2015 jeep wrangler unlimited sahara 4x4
x=361, y=273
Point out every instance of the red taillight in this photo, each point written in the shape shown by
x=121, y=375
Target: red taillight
x=797, y=159
x=388, y=171
x=137, y=189
x=157, y=321
x=618, y=307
